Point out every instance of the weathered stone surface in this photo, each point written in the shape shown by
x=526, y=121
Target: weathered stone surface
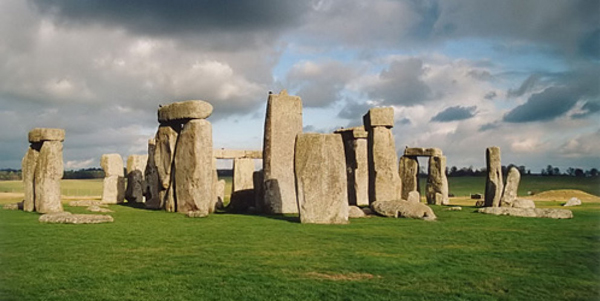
x=321, y=182
x=96, y=208
x=367, y=211
x=46, y=134
x=112, y=164
x=379, y=117
x=193, y=167
x=136, y=166
x=13, y=206
x=523, y=203
x=85, y=203
x=355, y=212
x=282, y=123
x=454, y=208
x=113, y=190
x=48, y=172
x=196, y=214
x=437, y=183
x=408, y=170
x=152, y=190
x=400, y=208
x=422, y=152
x=528, y=212
x=164, y=154
x=573, y=202
x=234, y=153
x=384, y=180
x=357, y=164
x=184, y=110
x=414, y=196
x=258, y=177
x=215, y=180
x=242, y=186
x=510, y=189
x=493, y=184
x=28, y=166
x=69, y=218
x=220, y=191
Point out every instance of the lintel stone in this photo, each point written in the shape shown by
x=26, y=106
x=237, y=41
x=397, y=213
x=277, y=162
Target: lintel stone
x=357, y=132
x=184, y=110
x=46, y=134
x=421, y=151
x=236, y=154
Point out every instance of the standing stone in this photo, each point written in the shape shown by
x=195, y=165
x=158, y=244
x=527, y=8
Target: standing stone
x=493, y=183
x=48, y=173
x=437, y=183
x=320, y=172
x=113, y=190
x=152, y=180
x=193, y=168
x=282, y=123
x=258, y=177
x=512, y=185
x=136, y=167
x=215, y=181
x=28, y=166
x=409, y=175
x=384, y=180
x=357, y=164
x=414, y=197
x=220, y=192
x=242, y=187
x=164, y=154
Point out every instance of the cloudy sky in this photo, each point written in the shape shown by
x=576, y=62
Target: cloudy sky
x=461, y=75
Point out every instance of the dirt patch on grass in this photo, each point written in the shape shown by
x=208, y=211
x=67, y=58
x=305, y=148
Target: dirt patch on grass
x=341, y=277
x=563, y=195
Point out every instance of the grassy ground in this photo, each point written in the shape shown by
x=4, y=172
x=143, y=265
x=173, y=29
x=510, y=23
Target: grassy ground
x=154, y=255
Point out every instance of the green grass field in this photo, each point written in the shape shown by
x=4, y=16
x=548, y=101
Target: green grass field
x=155, y=255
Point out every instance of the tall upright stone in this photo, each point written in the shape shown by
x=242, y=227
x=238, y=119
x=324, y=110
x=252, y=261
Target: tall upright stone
x=437, y=182
x=28, y=166
x=409, y=175
x=258, y=177
x=242, y=187
x=113, y=188
x=357, y=164
x=510, y=189
x=493, y=184
x=193, y=168
x=321, y=183
x=48, y=170
x=282, y=123
x=384, y=180
x=164, y=155
x=152, y=181
x=136, y=167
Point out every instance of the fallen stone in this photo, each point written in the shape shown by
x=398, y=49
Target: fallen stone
x=523, y=203
x=355, y=212
x=184, y=111
x=400, y=208
x=573, y=202
x=321, y=182
x=69, y=218
x=85, y=203
x=493, y=184
x=96, y=208
x=13, y=206
x=367, y=211
x=528, y=212
x=283, y=123
x=379, y=117
x=48, y=173
x=454, y=208
x=46, y=134
x=414, y=196
x=195, y=214
x=510, y=189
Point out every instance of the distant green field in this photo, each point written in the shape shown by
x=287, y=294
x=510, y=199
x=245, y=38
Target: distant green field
x=459, y=186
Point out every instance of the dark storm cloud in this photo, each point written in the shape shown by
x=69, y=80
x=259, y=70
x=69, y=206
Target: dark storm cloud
x=454, y=114
x=177, y=17
x=546, y=105
x=525, y=87
x=402, y=84
x=589, y=108
x=354, y=110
